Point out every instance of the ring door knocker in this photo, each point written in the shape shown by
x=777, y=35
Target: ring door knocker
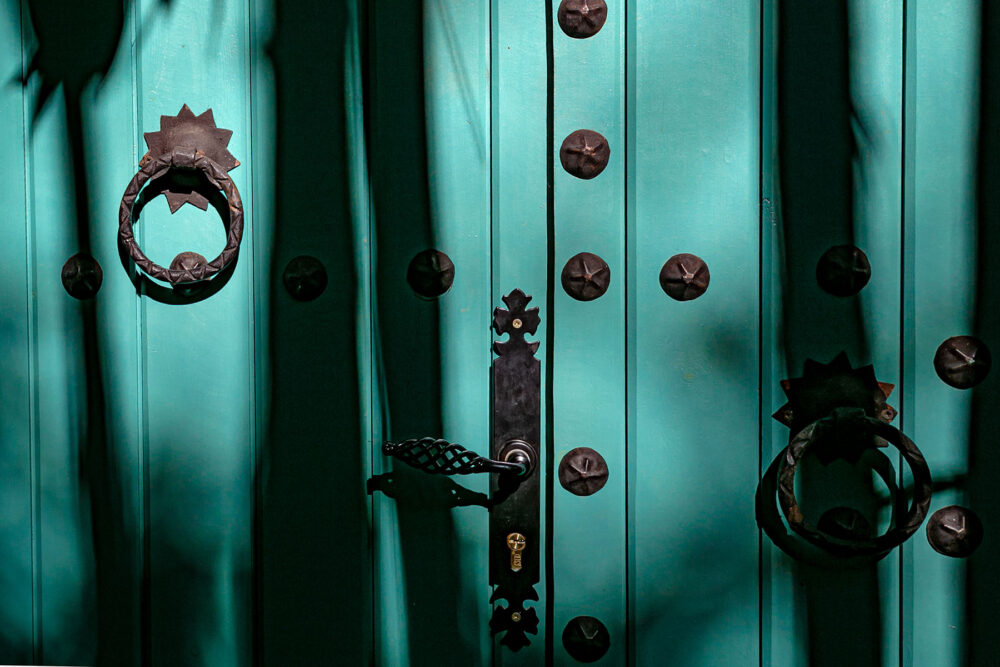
x=838, y=412
x=184, y=144
x=514, y=507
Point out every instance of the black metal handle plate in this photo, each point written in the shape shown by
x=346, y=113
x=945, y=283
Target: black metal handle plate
x=516, y=423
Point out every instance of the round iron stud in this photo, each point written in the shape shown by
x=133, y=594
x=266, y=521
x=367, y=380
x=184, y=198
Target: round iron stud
x=586, y=639
x=845, y=523
x=305, y=278
x=586, y=276
x=684, y=277
x=584, y=154
x=962, y=361
x=430, y=274
x=582, y=18
x=187, y=261
x=955, y=531
x=82, y=276
x=843, y=270
x=583, y=472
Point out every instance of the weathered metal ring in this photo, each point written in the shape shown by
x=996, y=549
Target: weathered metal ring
x=813, y=433
x=769, y=518
x=182, y=158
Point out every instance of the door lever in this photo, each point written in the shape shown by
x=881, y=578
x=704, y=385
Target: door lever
x=515, y=534
x=440, y=457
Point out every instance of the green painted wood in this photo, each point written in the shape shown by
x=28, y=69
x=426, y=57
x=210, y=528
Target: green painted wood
x=17, y=452
x=311, y=555
x=520, y=155
x=114, y=470
x=198, y=360
x=588, y=345
x=982, y=642
x=430, y=179
x=831, y=175
x=693, y=187
x=220, y=449
x=943, y=87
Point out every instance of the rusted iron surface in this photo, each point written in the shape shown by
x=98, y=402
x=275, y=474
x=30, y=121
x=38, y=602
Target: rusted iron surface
x=684, y=277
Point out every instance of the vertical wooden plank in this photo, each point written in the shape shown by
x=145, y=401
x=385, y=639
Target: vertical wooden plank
x=111, y=156
x=782, y=634
x=693, y=131
x=588, y=350
x=521, y=151
x=876, y=87
x=198, y=358
x=87, y=468
x=17, y=578
x=457, y=107
x=312, y=553
x=832, y=175
x=429, y=92
x=941, y=236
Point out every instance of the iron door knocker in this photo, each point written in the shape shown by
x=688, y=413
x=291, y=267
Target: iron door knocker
x=185, y=142
x=837, y=412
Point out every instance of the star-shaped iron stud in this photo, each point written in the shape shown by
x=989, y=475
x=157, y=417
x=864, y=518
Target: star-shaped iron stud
x=582, y=18
x=586, y=276
x=196, y=132
x=584, y=153
x=955, y=531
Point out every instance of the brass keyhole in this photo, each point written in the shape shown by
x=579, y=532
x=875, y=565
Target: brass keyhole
x=516, y=544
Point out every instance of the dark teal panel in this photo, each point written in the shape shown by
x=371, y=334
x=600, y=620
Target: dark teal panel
x=951, y=290
x=520, y=233
x=429, y=130
x=312, y=555
x=588, y=342
x=833, y=127
x=197, y=358
x=693, y=366
x=17, y=423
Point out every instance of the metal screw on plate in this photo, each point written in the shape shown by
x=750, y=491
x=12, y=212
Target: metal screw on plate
x=304, y=278
x=586, y=276
x=430, y=273
x=843, y=270
x=586, y=639
x=955, y=531
x=582, y=18
x=684, y=277
x=962, y=361
x=845, y=523
x=583, y=472
x=584, y=153
x=82, y=276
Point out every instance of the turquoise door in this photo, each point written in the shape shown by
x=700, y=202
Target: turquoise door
x=193, y=474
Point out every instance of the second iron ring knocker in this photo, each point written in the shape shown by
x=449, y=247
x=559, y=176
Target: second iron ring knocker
x=195, y=145
x=837, y=412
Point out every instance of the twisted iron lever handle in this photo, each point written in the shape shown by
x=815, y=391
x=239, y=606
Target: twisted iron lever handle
x=440, y=457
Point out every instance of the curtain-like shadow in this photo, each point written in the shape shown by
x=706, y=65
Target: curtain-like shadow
x=817, y=148
x=75, y=45
x=312, y=541
x=982, y=595
x=409, y=336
